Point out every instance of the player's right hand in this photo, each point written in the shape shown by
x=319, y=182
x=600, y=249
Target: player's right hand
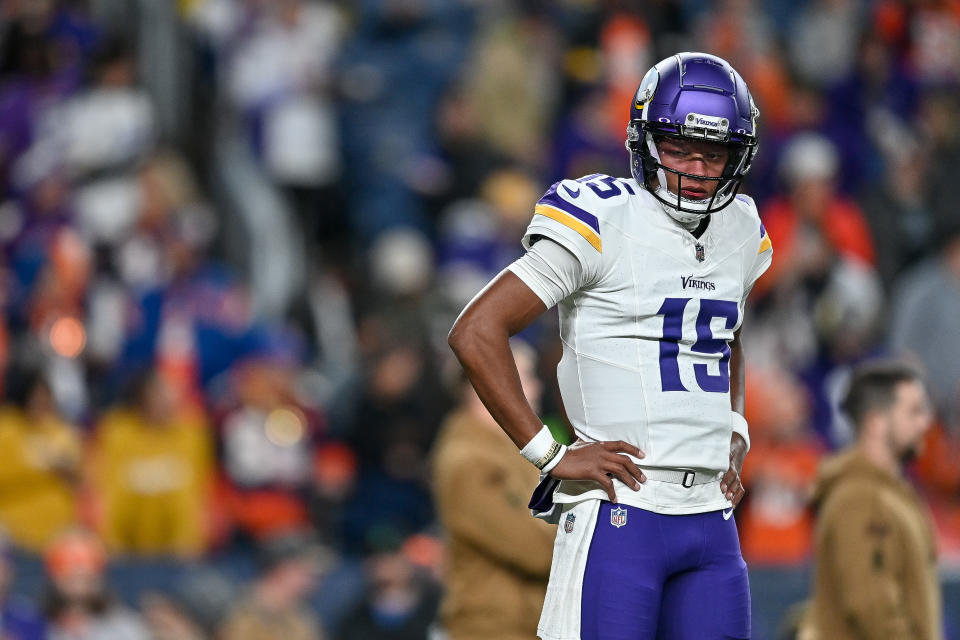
x=601, y=462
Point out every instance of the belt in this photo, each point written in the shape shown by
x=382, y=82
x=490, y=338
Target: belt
x=685, y=477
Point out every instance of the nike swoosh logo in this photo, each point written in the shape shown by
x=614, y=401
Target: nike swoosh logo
x=728, y=513
x=571, y=191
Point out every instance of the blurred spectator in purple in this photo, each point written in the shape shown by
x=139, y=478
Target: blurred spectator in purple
x=39, y=67
x=152, y=469
x=847, y=321
x=39, y=477
x=479, y=236
x=18, y=618
x=401, y=603
x=31, y=224
x=868, y=111
x=78, y=604
x=290, y=565
x=590, y=134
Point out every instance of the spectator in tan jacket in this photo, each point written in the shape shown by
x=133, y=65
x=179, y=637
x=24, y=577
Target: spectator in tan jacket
x=499, y=556
x=275, y=607
x=875, y=573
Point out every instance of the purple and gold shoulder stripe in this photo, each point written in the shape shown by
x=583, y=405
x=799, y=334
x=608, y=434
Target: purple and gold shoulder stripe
x=765, y=244
x=552, y=206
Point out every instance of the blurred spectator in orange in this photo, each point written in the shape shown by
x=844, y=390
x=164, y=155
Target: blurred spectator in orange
x=938, y=469
x=401, y=604
x=627, y=54
x=813, y=221
x=776, y=527
x=275, y=605
x=740, y=32
x=499, y=555
x=151, y=468
x=41, y=463
x=268, y=440
x=18, y=619
x=78, y=604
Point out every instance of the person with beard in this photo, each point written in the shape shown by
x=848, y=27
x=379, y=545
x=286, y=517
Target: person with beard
x=875, y=573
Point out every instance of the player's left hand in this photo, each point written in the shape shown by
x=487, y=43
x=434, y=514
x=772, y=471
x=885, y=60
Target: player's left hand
x=730, y=484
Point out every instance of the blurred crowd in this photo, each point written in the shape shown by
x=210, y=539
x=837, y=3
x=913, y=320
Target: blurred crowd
x=168, y=396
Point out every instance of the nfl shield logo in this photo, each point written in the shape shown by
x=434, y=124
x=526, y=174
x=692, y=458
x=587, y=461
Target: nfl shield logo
x=568, y=524
x=618, y=517
x=699, y=249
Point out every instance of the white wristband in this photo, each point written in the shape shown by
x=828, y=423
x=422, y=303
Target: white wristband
x=542, y=448
x=739, y=424
x=547, y=468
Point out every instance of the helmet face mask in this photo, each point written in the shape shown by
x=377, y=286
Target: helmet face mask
x=692, y=97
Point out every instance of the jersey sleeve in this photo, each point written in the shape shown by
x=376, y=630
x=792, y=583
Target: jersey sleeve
x=561, y=215
x=551, y=272
x=760, y=259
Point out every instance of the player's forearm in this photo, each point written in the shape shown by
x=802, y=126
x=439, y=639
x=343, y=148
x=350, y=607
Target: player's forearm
x=481, y=340
x=483, y=349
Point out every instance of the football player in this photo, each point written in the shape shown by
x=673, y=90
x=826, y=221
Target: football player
x=650, y=274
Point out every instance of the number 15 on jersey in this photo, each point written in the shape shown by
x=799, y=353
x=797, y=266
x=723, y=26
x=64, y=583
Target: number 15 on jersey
x=672, y=312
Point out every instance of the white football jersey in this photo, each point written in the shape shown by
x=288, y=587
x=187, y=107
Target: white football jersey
x=646, y=353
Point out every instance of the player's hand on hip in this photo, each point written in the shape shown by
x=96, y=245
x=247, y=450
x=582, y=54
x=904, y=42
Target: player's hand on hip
x=731, y=485
x=601, y=462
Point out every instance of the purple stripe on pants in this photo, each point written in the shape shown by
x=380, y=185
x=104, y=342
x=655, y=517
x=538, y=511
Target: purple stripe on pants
x=662, y=577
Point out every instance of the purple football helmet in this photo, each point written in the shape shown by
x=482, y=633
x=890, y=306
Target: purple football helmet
x=693, y=96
